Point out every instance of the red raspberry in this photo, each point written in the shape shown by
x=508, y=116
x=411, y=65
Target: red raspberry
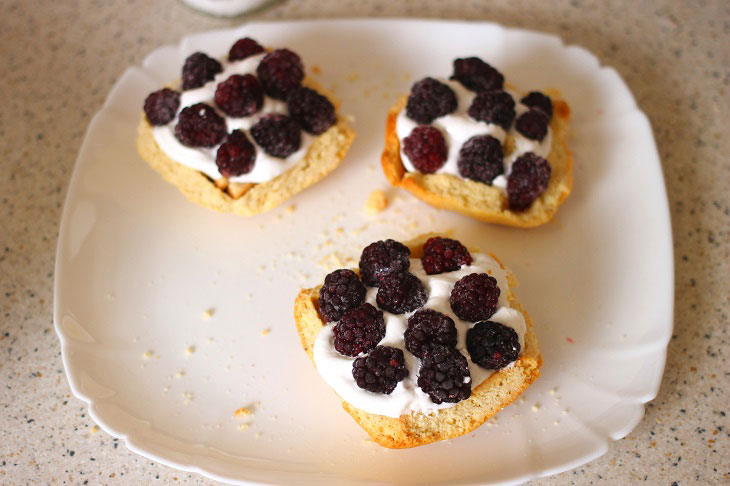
x=235, y=156
x=475, y=297
x=239, y=95
x=528, y=179
x=244, y=48
x=444, y=255
x=426, y=149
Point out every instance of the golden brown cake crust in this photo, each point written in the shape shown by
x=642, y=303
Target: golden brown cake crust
x=410, y=430
x=323, y=156
x=476, y=199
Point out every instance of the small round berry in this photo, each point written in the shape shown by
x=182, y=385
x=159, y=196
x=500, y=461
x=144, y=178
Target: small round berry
x=430, y=99
x=444, y=255
x=239, y=95
x=383, y=258
x=381, y=370
x=533, y=124
x=161, y=106
x=528, y=179
x=359, y=330
x=236, y=156
x=244, y=48
x=314, y=112
x=280, y=72
x=198, y=70
x=200, y=126
x=481, y=159
x=492, y=345
x=474, y=297
x=427, y=328
x=342, y=290
x=444, y=375
x=496, y=107
x=401, y=292
x=477, y=75
x=539, y=101
x=426, y=148
x=279, y=135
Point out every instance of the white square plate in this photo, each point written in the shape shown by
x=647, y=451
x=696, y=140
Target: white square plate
x=137, y=265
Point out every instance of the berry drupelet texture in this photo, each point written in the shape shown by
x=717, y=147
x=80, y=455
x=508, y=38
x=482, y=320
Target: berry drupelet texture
x=244, y=48
x=401, y=292
x=342, y=290
x=528, y=179
x=533, y=124
x=359, y=330
x=492, y=345
x=198, y=69
x=496, y=107
x=474, y=297
x=477, y=75
x=539, y=101
x=240, y=95
x=444, y=255
x=381, y=370
x=383, y=258
x=444, y=375
x=430, y=99
x=161, y=106
x=314, y=112
x=279, y=135
x=481, y=159
x=427, y=328
x=200, y=126
x=426, y=148
x=280, y=72
x=236, y=156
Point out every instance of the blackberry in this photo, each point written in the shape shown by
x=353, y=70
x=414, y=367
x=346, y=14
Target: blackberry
x=239, y=95
x=381, y=370
x=279, y=135
x=444, y=255
x=401, y=292
x=496, y=107
x=528, y=179
x=314, y=112
x=359, y=330
x=161, y=106
x=474, y=297
x=426, y=148
x=426, y=328
x=244, y=48
x=200, y=126
x=492, y=345
x=235, y=156
x=430, y=99
x=383, y=258
x=342, y=290
x=481, y=159
x=444, y=375
x=477, y=75
x=198, y=70
x=539, y=101
x=533, y=124
x=280, y=72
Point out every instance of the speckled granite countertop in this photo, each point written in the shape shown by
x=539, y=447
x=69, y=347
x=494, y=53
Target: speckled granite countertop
x=59, y=60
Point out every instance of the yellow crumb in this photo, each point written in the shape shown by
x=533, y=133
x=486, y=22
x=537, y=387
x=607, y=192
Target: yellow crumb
x=353, y=76
x=95, y=429
x=190, y=350
x=316, y=69
x=266, y=331
x=180, y=374
x=208, y=313
x=241, y=412
x=147, y=354
x=290, y=209
x=242, y=426
x=376, y=202
x=536, y=407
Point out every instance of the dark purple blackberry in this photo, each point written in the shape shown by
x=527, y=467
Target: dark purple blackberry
x=401, y=292
x=539, y=101
x=359, y=330
x=426, y=328
x=477, y=75
x=240, y=95
x=444, y=375
x=528, y=179
x=444, y=255
x=381, y=370
x=426, y=148
x=235, y=156
x=496, y=107
x=474, y=297
x=533, y=124
x=278, y=135
x=481, y=159
x=383, y=258
x=200, y=126
x=314, y=112
x=244, y=48
x=161, y=106
x=492, y=345
x=342, y=290
x=430, y=99
x=280, y=72
x=198, y=70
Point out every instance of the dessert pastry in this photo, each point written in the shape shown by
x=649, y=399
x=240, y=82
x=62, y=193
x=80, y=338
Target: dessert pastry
x=473, y=145
x=243, y=134
x=423, y=342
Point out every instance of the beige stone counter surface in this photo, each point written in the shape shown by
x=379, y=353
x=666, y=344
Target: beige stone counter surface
x=58, y=60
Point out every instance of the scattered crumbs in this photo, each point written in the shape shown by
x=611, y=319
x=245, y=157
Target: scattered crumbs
x=242, y=412
x=358, y=231
x=339, y=231
x=556, y=422
x=190, y=350
x=249, y=296
x=207, y=313
x=290, y=209
x=148, y=354
x=180, y=374
x=95, y=429
x=536, y=407
x=368, y=442
x=552, y=391
x=658, y=421
x=258, y=435
x=187, y=397
x=242, y=427
x=274, y=418
x=261, y=268
x=209, y=340
x=316, y=69
x=376, y=202
x=522, y=399
x=566, y=411
x=166, y=389
x=265, y=332
x=353, y=76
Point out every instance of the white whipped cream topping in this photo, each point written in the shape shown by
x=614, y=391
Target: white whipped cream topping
x=458, y=127
x=266, y=167
x=336, y=369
